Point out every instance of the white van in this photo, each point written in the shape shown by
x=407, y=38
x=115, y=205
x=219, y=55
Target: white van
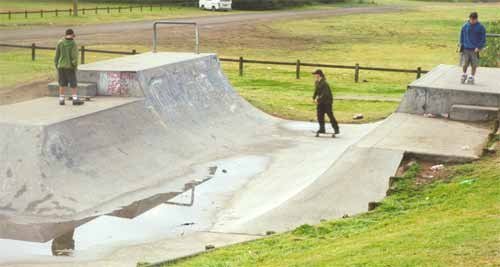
x=216, y=4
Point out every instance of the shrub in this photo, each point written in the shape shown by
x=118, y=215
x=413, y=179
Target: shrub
x=491, y=55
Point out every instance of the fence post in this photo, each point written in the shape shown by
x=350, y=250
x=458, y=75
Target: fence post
x=83, y=11
x=134, y=52
x=82, y=60
x=33, y=52
x=10, y=15
x=130, y=8
x=25, y=14
x=70, y=11
x=356, y=73
x=108, y=9
x=161, y=7
x=119, y=9
x=96, y=10
x=297, y=70
x=241, y=66
x=141, y=8
x=151, y=8
x=41, y=13
x=57, y=12
x=419, y=72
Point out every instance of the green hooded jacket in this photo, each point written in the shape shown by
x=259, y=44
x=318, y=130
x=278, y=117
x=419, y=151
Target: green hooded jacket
x=66, y=54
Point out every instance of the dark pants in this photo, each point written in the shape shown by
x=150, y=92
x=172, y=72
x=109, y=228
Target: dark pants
x=67, y=77
x=326, y=108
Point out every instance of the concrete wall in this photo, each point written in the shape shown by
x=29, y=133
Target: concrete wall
x=420, y=100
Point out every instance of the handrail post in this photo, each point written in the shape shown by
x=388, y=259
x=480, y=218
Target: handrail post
x=155, y=33
x=419, y=72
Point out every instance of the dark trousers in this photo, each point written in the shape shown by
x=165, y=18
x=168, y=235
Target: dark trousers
x=326, y=108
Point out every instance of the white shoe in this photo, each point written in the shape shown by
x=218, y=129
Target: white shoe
x=464, y=78
x=470, y=80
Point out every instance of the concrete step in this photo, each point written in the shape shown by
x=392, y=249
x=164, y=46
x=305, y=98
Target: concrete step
x=473, y=113
x=84, y=89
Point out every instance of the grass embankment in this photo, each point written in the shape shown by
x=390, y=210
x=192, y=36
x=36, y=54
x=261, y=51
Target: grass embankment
x=454, y=221
x=425, y=35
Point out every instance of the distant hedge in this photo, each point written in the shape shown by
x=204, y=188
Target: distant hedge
x=275, y=4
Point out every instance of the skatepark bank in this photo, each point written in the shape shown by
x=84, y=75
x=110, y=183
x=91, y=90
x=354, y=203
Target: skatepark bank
x=252, y=173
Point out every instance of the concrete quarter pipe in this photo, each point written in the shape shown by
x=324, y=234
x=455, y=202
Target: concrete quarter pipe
x=164, y=122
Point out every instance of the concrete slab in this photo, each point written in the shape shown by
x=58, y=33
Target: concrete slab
x=448, y=140
x=84, y=89
x=142, y=62
x=474, y=113
x=359, y=176
x=440, y=89
x=447, y=77
x=46, y=110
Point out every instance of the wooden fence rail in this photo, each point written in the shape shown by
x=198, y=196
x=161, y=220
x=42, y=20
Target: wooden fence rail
x=298, y=64
x=94, y=10
x=241, y=61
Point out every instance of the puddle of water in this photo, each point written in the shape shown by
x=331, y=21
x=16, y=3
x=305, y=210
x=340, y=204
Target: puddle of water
x=155, y=221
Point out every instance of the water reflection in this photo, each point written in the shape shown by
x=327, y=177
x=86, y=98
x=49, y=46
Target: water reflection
x=64, y=245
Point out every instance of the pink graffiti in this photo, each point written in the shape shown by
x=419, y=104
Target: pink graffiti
x=118, y=83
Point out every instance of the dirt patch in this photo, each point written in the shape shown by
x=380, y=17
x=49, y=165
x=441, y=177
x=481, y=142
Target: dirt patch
x=24, y=92
x=430, y=171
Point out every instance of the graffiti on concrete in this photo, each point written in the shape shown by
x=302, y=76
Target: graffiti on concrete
x=116, y=83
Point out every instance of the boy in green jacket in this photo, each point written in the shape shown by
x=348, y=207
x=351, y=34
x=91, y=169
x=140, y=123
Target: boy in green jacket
x=66, y=61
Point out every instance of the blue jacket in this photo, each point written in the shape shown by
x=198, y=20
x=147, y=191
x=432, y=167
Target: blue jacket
x=473, y=36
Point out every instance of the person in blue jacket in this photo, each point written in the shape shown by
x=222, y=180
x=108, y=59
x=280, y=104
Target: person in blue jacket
x=472, y=41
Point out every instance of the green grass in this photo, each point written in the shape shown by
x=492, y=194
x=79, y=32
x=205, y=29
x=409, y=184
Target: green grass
x=63, y=18
x=451, y=222
x=424, y=36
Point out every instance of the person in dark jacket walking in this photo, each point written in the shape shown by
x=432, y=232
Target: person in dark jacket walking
x=472, y=41
x=66, y=62
x=324, y=102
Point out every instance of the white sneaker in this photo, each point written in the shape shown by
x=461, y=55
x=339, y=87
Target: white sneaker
x=464, y=78
x=470, y=80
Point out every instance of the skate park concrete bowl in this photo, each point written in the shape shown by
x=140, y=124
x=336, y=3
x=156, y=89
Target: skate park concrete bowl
x=167, y=158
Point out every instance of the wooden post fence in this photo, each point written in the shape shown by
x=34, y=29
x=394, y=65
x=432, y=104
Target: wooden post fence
x=33, y=51
x=356, y=73
x=297, y=70
x=419, y=72
x=241, y=66
x=82, y=58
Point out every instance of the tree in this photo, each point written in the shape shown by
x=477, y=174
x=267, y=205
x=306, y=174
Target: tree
x=75, y=8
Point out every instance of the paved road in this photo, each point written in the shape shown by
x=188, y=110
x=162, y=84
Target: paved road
x=108, y=30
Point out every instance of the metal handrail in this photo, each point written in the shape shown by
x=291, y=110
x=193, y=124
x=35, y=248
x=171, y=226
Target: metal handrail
x=155, y=33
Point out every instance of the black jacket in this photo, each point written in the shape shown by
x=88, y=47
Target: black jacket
x=323, y=92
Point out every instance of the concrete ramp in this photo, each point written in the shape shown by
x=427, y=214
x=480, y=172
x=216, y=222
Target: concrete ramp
x=162, y=117
x=165, y=122
x=440, y=89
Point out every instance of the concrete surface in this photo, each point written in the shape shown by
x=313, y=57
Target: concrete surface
x=473, y=113
x=115, y=161
x=84, y=89
x=439, y=138
x=437, y=91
